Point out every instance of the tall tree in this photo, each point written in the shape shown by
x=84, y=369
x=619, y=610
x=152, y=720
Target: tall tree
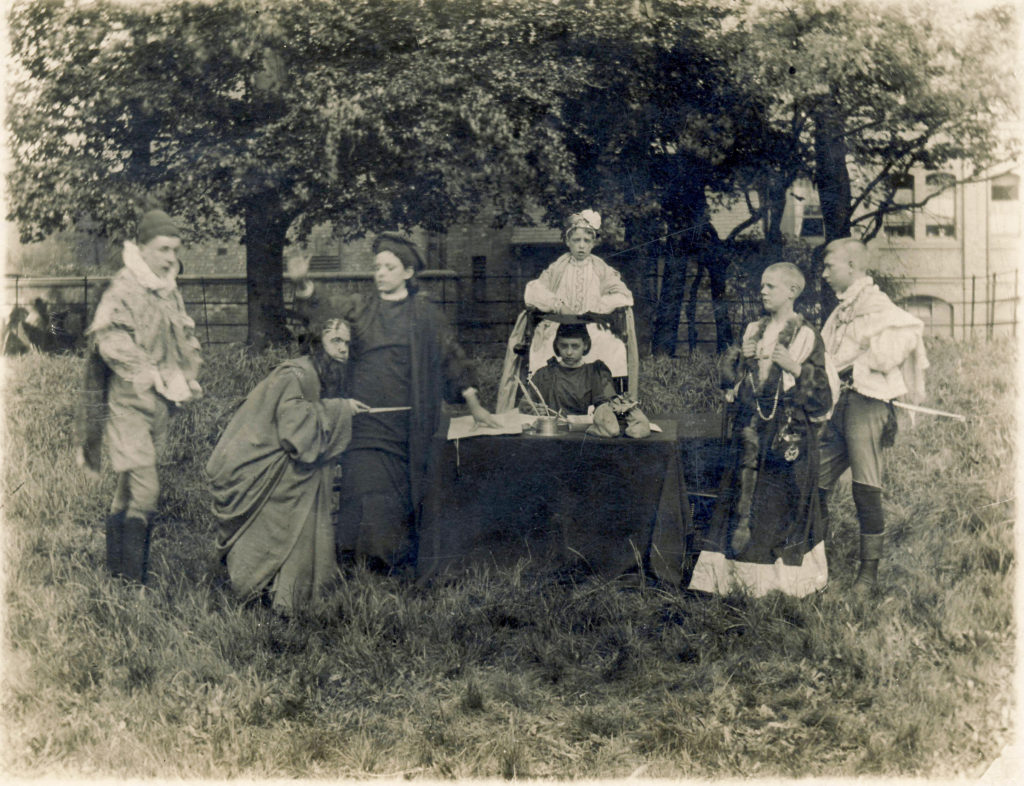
x=858, y=93
x=255, y=116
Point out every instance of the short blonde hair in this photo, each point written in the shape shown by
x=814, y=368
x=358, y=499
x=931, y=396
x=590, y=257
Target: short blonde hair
x=856, y=252
x=789, y=273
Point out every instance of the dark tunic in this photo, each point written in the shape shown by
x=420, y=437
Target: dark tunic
x=574, y=390
x=786, y=546
x=404, y=353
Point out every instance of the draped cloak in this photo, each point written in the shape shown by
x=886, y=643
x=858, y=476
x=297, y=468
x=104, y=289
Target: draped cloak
x=272, y=475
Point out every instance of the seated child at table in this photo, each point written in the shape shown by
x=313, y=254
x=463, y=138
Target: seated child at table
x=566, y=383
x=578, y=283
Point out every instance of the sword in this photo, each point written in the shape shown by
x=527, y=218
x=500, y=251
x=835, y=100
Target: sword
x=375, y=410
x=927, y=411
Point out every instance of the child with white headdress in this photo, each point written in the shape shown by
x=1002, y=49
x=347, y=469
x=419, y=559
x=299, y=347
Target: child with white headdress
x=579, y=282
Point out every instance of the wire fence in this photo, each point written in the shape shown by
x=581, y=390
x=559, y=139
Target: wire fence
x=484, y=308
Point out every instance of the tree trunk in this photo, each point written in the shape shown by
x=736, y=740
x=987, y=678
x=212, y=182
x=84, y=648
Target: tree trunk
x=775, y=200
x=639, y=269
x=670, y=302
x=831, y=175
x=265, y=229
x=691, y=309
x=705, y=248
x=717, y=263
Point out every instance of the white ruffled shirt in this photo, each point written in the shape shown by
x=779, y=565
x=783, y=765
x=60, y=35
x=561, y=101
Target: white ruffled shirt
x=881, y=342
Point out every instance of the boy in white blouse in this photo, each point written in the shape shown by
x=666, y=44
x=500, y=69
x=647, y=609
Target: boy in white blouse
x=579, y=282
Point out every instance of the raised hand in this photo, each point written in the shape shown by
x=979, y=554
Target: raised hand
x=297, y=268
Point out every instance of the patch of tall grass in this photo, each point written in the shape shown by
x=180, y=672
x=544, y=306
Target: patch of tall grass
x=503, y=674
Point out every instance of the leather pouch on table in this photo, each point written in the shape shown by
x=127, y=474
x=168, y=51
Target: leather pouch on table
x=606, y=422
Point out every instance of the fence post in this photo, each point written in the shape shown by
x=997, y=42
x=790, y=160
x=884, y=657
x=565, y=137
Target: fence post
x=206, y=316
x=1016, y=296
x=974, y=287
x=992, y=309
x=17, y=278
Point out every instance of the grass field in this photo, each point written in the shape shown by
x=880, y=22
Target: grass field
x=499, y=675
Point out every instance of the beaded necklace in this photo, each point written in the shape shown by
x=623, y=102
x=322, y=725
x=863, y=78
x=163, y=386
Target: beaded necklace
x=786, y=336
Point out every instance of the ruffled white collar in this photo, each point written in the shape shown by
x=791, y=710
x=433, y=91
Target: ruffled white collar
x=137, y=266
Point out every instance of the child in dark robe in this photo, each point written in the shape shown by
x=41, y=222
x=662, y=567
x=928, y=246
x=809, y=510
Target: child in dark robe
x=767, y=533
x=405, y=357
x=567, y=384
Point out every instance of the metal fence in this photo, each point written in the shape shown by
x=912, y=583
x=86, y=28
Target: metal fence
x=485, y=308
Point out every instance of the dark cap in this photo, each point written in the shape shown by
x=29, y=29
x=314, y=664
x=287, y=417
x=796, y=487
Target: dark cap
x=155, y=223
x=401, y=247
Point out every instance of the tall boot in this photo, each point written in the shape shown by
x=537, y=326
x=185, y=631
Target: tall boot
x=870, y=554
x=115, y=542
x=868, y=501
x=135, y=560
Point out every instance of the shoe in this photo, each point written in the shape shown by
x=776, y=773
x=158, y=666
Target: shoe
x=867, y=571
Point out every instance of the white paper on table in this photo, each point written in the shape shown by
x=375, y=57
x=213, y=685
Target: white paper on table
x=511, y=423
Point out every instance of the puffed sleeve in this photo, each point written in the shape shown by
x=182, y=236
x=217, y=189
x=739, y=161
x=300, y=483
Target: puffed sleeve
x=540, y=293
x=889, y=348
x=614, y=292
x=602, y=387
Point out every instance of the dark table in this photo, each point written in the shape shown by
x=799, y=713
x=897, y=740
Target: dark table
x=603, y=505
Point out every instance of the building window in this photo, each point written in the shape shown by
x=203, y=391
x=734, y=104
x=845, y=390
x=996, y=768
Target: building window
x=479, y=279
x=900, y=222
x=936, y=314
x=812, y=224
x=1004, y=209
x=1006, y=188
x=940, y=209
x=437, y=250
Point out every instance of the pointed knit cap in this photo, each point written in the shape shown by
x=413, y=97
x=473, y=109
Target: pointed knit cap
x=154, y=223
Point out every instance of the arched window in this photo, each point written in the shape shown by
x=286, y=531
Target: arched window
x=936, y=314
x=940, y=209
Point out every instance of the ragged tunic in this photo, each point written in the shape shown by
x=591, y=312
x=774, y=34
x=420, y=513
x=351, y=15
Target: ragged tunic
x=771, y=476
x=272, y=475
x=140, y=329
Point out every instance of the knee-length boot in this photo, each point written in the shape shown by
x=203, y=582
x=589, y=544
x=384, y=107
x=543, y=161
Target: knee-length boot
x=115, y=542
x=868, y=501
x=135, y=560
